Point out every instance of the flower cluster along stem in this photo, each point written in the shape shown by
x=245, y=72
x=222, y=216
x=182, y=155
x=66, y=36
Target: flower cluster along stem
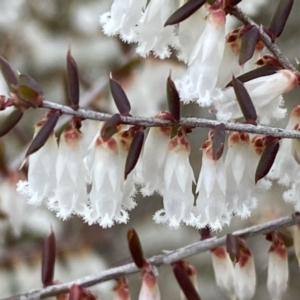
x=274, y=49
x=188, y=122
x=158, y=260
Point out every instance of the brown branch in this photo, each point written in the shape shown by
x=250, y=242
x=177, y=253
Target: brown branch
x=162, y=259
x=274, y=49
x=189, y=122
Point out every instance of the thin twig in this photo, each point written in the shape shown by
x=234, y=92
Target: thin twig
x=274, y=49
x=162, y=259
x=189, y=122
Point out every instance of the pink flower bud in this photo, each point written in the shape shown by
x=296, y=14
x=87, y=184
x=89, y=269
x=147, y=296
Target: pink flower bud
x=121, y=290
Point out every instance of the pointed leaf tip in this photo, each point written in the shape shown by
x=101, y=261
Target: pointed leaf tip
x=232, y=247
x=218, y=141
x=184, y=282
x=248, y=44
x=73, y=81
x=48, y=259
x=267, y=159
x=244, y=100
x=42, y=136
x=134, y=152
x=135, y=247
x=184, y=12
x=8, y=73
x=119, y=97
x=280, y=17
x=173, y=99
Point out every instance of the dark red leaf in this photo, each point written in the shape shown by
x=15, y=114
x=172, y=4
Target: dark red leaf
x=30, y=82
x=267, y=159
x=173, y=99
x=134, y=152
x=205, y=233
x=48, y=259
x=232, y=247
x=184, y=12
x=29, y=95
x=280, y=17
x=135, y=247
x=8, y=73
x=42, y=136
x=185, y=283
x=73, y=81
x=248, y=44
x=110, y=127
x=120, y=97
x=259, y=72
x=244, y=100
x=218, y=141
x=12, y=120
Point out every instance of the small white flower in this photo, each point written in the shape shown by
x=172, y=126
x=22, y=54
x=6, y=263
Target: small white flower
x=178, y=197
x=70, y=193
x=104, y=175
x=41, y=171
x=151, y=33
x=223, y=269
x=285, y=168
x=240, y=177
x=122, y=19
x=278, y=271
x=211, y=189
x=154, y=158
x=205, y=61
x=266, y=95
x=244, y=275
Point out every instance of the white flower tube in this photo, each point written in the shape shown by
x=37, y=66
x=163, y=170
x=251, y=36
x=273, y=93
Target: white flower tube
x=154, y=158
x=178, y=197
x=278, y=271
x=122, y=19
x=223, y=270
x=70, y=195
x=41, y=171
x=151, y=33
x=266, y=95
x=105, y=196
x=211, y=189
x=205, y=61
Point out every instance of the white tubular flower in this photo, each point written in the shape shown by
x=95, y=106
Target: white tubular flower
x=211, y=189
x=154, y=158
x=187, y=38
x=240, y=179
x=205, y=61
x=122, y=19
x=278, y=270
x=285, y=168
x=70, y=193
x=178, y=197
x=150, y=288
x=266, y=94
x=151, y=33
x=223, y=269
x=105, y=196
x=41, y=171
x=244, y=275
